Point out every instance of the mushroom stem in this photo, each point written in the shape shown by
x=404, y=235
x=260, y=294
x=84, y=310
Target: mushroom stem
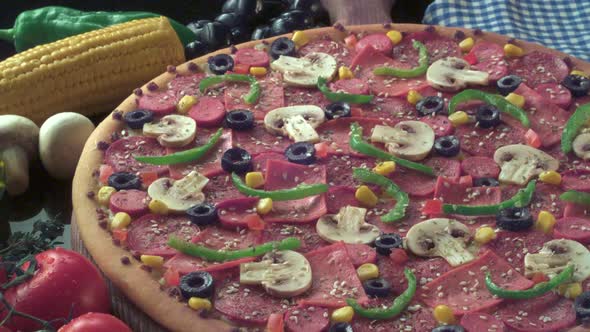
x=16, y=167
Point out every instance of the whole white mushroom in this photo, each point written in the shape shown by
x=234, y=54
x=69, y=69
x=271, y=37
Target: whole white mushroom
x=18, y=145
x=61, y=141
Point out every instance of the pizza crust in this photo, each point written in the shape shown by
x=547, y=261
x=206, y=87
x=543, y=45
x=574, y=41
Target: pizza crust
x=137, y=284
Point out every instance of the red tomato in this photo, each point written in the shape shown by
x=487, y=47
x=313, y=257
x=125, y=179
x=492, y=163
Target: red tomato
x=433, y=206
x=64, y=281
x=104, y=171
x=95, y=322
x=321, y=150
x=470, y=58
x=350, y=40
x=539, y=277
x=254, y=221
x=466, y=179
x=148, y=177
x=120, y=234
x=241, y=68
x=172, y=277
x=276, y=323
x=532, y=139
x=398, y=256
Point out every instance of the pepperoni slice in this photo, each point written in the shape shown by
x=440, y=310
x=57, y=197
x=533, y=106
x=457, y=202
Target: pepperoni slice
x=576, y=180
x=379, y=41
x=120, y=154
x=339, y=197
x=572, y=228
x=233, y=212
x=480, y=167
x=484, y=142
x=326, y=45
x=480, y=321
x=208, y=112
x=183, y=85
x=252, y=57
x=360, y=254
x=418, y=184
x=149, y=234
x=305, y=318
x=440, y=124
x=352, y=85
x=438, y=47
x=490, y=58
x=310, y=240
x=539, y=67
x=555, y=93
x=133, y=202
x=546, y=313
x=159, y=102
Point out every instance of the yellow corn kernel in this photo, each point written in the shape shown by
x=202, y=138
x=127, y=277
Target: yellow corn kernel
x=385, y=168
x=343, y=315
x=198, y=303
x=300, y=38
x=344, y=73
x=395, y=36
x=258, y=71
x=515, y=99
x=545, y=222
x=264, y=205
x=152, y=261
x=367, y=271
x=185, y=103
x=254, y=179
x=550, y=177
x=512, y=50
x=413, y=97
x=158, y=207
x=104, y=195
x=120, y=220
x=366, y=196
x=570, y=291
x=444, y=314
x=459, y=118
x=484, y=235
x=579, y=73
x=466, y=44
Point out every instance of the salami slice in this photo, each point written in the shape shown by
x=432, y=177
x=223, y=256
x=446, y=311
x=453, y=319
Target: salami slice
x=480, y=167
x=438, y=47
x=539, y=67
x=353, y=86
x=225, y=239
x=425, y=270
x=304, y=96
x=418, y=184
x=149, y=234
x=573, y=228
x=259, y=162
x=379, y=41
x=479, y=321
x=440, y=124
x=336, y=133
x=555, y=93
x=513, y=246
x=339, y=197
x=252, y=57
x=452, y=192
x=257, y=140
x=490, y=58
x=120, y=154
x=546, y=198
x=338, y=167
x=310, y=240
x=233, y=212
x=159, y=102
x=576, y=180
x=271, y=96
x=575, y=210
x=360, y=254
x=183, y=85
x=307, y=318
x=483, y=142
x=220, y=188
x=391, y=109
x=133, y=202
x=208, y=112
x=418, y=319
x=325, y=45
x=186, y=264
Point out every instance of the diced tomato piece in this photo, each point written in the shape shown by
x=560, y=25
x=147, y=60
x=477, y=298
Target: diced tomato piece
x=321, y=150
x=104, y=172
x=276, y=323
x=120, y=234
x=356, y=112
x=398, y=256
x=470, y=58
x=350, y=40
x=254, y=221
x=539, y=277
x=241, y=68
x=532, y=139
x=466, y=180
x=433, y=206
x=172, y=277
x=148, y=177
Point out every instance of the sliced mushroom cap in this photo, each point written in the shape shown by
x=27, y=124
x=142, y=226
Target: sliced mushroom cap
x=452, y=74
x=306, y=70
x=172, y=130
x=179, y=195
x=410, y=140
x=520, y=163
x=283, y=274
x=581, y=146
x=441, y=237
x=348, y=226
x=556, y=255
x=296, y=122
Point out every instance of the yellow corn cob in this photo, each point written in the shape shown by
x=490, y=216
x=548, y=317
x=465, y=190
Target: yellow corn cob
x=88, y=73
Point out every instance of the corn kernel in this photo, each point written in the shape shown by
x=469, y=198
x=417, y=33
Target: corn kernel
x=395, y=36
x=512, y=50
x=120, y=220
x=254, y=179
x=367, y=271
x=579, y=73
x=300, y=38
x=152, y=261
x=185, y=103
x=343, y=315
x=466, y=44
x=158, y=207
x=550, y=177
x=545, y=222
x=344, y=73
x=570, y=291
x=413, y=97
x=484, y=235
x=104, y=195
x=264, y=206
x=385, y=168
x=444, y=314
x=366, y=196
x=515, y=99
x=258, y=71
x=198, y=303
x=459, y=118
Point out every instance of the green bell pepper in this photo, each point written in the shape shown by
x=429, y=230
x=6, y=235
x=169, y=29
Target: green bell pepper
x=576, y=197
x=401, y=198
x=495, y=100
x=537, y=290
x=301, y=191
x=342, y=97
x=250, y=98
x=573, y=126
x=408, y=73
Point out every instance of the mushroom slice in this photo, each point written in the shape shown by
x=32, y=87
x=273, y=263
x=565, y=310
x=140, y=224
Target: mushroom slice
x=296, y=122
x=283, y=274
x=172, y=131
x=179, y=195
x=410, y=140
x=305, y=71
x=521, y=162
x=452, y=74
x=441, y=237
x=581, y=146
x=555, y=256
x=348, y=226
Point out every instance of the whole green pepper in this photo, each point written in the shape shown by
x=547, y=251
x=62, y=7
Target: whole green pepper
x=48, y=24
x=408, y=73
x=401, y=198
x=341, y=96
x=538, y=290
x=573, y=126
x=498, y=101
x=301, y=191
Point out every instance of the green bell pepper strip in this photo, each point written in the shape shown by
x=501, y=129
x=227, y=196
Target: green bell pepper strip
x=576, y=197
x=183, y=156
x=537, y=290
x=357, y=143
x=399, y=304
x=250, y=98
x=48, y=24
x=408, y=73
x=340, y=96
x=195, y=250
x=522, y=198
x=301, y=191
x=401, y=198
x=580, y=117
x=495, y=100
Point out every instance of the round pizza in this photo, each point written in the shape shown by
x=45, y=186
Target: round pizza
x=372, y=178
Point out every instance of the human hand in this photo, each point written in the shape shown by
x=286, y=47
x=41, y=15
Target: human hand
x=353, y=12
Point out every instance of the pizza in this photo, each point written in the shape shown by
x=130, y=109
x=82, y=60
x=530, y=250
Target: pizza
x=375, y=178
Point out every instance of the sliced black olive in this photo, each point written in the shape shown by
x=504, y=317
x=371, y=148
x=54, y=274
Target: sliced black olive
x=449, y=328
x=486, y=182
x=220, y=64
x=508, y=84
x=385, y=242
x=124, y=181
x=282, y=46
x=194, y=50
x=337, y=110
x=239, y=119
x=487, y=116
x=261, y=32
x=341, y=327
x=577, y=84
x=236, y=160
x=301, y=153
x=202, y=214
x=514, y=219
x=447, y=146
x=377, y=287
x=582, y=306
x=430, y=105
x=196, y=284
x=137, y=118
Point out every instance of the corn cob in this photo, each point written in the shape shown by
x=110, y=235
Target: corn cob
x=89, y=73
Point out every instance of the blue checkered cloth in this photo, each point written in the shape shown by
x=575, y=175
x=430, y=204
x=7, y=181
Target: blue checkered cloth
x=559, y=24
